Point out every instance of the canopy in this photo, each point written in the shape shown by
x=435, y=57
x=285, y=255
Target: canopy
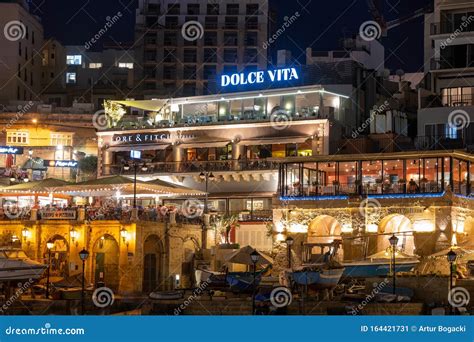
x=111, y=185
x=152, y=105
x=461, y=252
x=49, y=185
x=242, y=256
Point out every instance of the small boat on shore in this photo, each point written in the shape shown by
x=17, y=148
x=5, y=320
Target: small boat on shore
x=318, y=279
x=379, y=265
x=167, y=295
x=15, y=265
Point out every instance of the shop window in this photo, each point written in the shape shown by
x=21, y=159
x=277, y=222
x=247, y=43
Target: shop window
x=305, y=149
x=73, y=59
x=279, y=151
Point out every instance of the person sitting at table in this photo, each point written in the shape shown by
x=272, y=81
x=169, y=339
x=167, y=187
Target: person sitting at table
x=413, y=187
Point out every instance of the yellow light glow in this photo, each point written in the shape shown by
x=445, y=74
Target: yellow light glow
x=423, y=226
x=297, y=228
x=371, y=228
x=346, y=228
x=280, y=237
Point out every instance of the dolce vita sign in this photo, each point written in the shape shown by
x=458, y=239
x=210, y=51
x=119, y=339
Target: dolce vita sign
x=260, y=77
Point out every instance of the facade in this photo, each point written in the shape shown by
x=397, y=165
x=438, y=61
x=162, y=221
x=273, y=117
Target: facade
x=224, y=37
x=20, y=67
x=446, y=105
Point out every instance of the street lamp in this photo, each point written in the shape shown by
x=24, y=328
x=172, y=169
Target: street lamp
x=135, y=165
x=451, y=259
x=84, y=254
x=206, y=176
x=49, y=246
x=289, y=242
x=254, y=256
x=393, y=242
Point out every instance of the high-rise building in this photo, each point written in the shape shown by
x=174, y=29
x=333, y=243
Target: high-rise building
x=181, y=45
x=447, y=102
x=20, y=55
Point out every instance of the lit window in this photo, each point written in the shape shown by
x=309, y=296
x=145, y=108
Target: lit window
x=17, y=138
x=61, y=139
x=95, y=65
x=126, y=65
x=71, y=77
x=73, y=59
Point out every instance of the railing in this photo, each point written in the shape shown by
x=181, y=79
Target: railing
x=449, y=27
x=198, y=166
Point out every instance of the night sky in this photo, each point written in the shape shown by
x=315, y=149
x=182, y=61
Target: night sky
x=322, y=25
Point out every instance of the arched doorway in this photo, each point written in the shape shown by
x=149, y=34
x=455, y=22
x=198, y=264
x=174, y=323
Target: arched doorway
x=59, y=257
x=396, y=223
x=106, y=261
x=152, y=264
x=324, y=229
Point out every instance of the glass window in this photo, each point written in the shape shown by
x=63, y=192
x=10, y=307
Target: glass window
x=307, y=104
x=71, y=77
x=372, y=177
x=236, y=108
x=95, y=65
x=279, y=151
x=305, y=149
x=347, y=177
x=125, y=65
x=74, y=60
x=393, y=180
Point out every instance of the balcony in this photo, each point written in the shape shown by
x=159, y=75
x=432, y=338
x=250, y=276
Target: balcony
x=198, y=166
x=450, y=27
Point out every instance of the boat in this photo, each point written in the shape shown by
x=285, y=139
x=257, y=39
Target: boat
x=206, y=276
x=379, y=265
x=243, y=281
x=15, y=265
x=167, y=295
x=318, y=271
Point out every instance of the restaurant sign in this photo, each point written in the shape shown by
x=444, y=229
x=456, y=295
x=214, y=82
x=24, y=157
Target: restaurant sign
x=259, y=77
x=58, y=214
x=147, y=138
x=61, y=163
x=11, y=150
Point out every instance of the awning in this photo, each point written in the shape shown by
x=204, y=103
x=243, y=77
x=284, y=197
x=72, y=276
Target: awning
x=151, y=147
x=274, y=141
x=152, y=105
x=201, y=144
x=44, y=186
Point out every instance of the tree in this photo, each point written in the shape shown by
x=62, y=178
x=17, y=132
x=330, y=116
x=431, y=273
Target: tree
x=88, y=165
x=113, y=112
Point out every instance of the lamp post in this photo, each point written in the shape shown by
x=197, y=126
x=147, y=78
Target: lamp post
x=135, y=164
x=393, y=242
x=289, y=242
x=451, y=259
x=49, y=246
x=254, y=256
x=206, y=176
x=84, y=254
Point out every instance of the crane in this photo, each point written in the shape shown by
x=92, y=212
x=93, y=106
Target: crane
x=376, y=12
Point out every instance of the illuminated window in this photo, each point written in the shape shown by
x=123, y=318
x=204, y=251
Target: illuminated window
x=95, y=65
x=70, y=77
x=74, y=60
x=126, y=65
x=61, y=139
x=17, y=138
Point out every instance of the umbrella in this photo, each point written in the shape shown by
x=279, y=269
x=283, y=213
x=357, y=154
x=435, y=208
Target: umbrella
x=242, y=256
x=461, y=253
x=42, y=186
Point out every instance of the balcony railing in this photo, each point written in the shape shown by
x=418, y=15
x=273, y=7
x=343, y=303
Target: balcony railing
x=198, y=166
x=449, y=27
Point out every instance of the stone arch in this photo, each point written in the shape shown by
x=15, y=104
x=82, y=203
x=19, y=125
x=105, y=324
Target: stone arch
x=59, y=255
x=323, y=229
x=105, y=261
x=153, y=263
x=396, y=223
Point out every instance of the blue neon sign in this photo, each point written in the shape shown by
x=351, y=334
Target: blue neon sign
x=259, y=77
